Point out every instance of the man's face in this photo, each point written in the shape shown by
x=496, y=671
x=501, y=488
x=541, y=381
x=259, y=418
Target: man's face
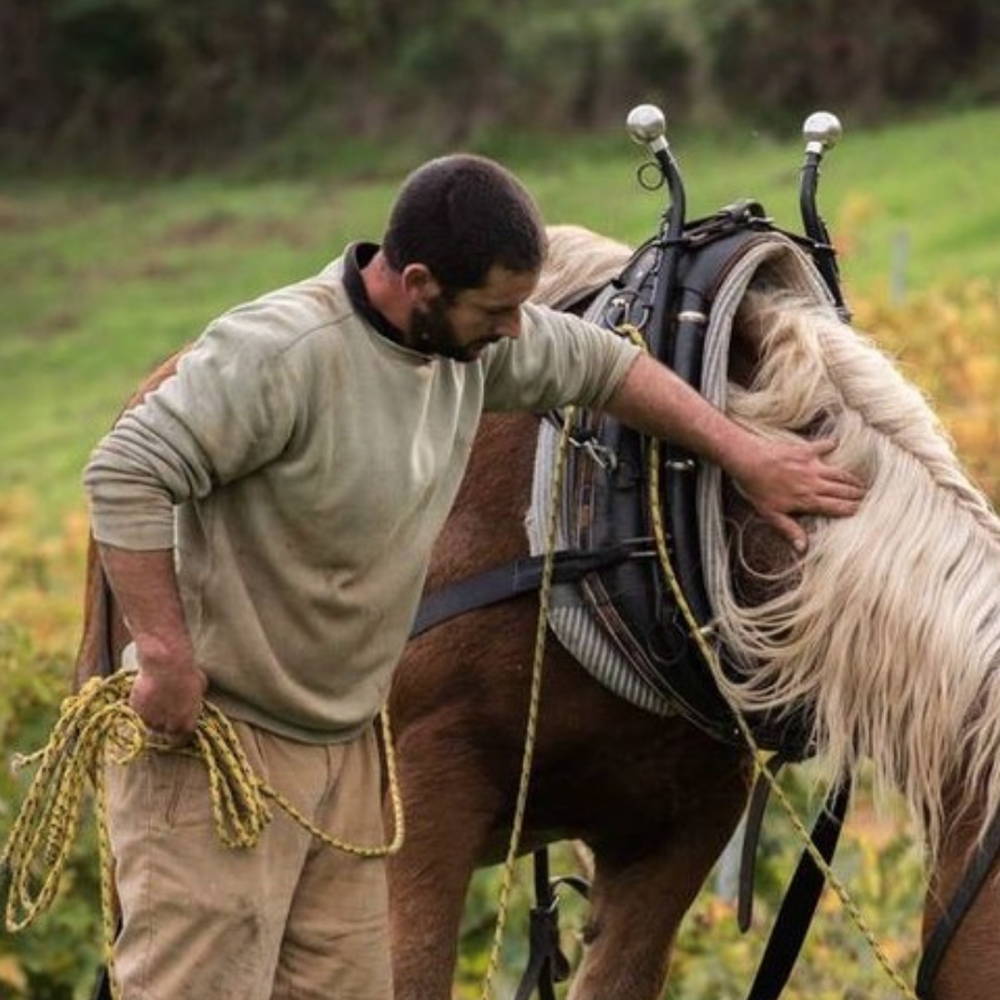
x=459, y=327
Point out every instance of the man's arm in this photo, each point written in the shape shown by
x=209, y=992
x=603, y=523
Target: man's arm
x=227, y=410
x=778, y=478
x=168, y=688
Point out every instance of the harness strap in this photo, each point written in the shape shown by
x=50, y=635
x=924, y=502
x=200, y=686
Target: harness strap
x=519, y=577
x=106, y=609
x=105, y=668
x=102, y=988
x=961, y=901
x=546, y=962
x=799, y=904
x=751, y=838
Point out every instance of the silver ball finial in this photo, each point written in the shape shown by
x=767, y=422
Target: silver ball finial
x=821, y=130
x=647, y=125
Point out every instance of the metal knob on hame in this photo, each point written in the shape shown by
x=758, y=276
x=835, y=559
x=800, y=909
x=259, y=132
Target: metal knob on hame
x=647, y=125
x=821, y=130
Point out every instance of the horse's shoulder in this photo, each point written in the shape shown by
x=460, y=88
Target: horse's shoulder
x=156, y=378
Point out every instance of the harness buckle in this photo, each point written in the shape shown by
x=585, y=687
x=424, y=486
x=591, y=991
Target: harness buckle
x=601, y=454
x=621, y=307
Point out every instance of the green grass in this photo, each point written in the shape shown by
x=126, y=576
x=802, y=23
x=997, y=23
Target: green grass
x=102, y=280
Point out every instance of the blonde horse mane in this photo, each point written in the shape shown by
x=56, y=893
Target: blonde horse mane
x=890, y=624
x=891, y=621
x=579, y=262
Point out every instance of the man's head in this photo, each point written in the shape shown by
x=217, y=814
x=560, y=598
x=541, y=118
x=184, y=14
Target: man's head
x=467, y=243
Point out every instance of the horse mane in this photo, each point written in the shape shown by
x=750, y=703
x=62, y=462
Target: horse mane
x=890, y=623
x=579, y=262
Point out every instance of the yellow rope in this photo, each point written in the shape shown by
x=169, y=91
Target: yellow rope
x=698, y=634
x=531, y=726
x=97, y=726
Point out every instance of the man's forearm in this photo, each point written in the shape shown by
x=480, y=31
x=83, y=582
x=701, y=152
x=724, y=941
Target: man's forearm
x=168, y=690
x=145, y=585
x=652, y=399
x=780, y=478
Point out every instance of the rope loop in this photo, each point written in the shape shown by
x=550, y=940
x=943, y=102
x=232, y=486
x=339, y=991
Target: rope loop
x=97, y=727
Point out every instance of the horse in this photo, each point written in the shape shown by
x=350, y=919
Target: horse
x=901, y=677
x=898, y=676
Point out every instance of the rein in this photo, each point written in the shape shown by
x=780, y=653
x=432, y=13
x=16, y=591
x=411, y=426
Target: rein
x=531, y=726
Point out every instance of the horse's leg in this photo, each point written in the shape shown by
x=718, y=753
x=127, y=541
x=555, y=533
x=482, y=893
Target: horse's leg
x=657, y=801
x=970, y=967
x=640, y=895
x=449, y=812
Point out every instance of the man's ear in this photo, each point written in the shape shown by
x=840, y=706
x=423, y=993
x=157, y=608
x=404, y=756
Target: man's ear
x=419, y=285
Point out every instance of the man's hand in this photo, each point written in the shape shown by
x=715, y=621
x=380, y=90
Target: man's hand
x=778, y=478
x=167, y=696
x=781, y=479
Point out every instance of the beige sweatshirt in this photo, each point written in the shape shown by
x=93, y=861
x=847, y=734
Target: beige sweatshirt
x=301, y=464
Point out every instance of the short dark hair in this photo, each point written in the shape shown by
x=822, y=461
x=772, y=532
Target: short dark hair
x=461, y=214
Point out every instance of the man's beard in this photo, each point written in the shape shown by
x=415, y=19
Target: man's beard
x=431, y=331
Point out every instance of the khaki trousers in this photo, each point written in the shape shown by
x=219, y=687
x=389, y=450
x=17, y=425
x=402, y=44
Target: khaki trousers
x=290, y=919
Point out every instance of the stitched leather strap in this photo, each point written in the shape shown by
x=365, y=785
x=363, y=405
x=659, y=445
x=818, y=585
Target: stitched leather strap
x=751, y=839
x=961, y=901
x=547, y=964
x=799, y=904
x=503, y=582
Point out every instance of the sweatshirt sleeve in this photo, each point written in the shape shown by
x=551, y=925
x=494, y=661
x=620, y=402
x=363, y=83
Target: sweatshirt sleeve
x=558, y=359
x=228, y=410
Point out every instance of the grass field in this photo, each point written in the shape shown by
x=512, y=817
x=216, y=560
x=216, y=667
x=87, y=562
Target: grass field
x=101, y=280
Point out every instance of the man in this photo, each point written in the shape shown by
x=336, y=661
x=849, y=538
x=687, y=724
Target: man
x=266, y=518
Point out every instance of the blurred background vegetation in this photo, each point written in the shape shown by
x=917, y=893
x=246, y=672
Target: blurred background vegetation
x=177, y=83
x=162, y=161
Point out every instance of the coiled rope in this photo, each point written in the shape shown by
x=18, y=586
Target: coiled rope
x=96, y=727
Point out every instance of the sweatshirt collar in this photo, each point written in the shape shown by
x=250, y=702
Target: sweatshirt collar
x=356, y=258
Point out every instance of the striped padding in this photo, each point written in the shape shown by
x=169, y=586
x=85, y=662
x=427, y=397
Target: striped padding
x=570, y=617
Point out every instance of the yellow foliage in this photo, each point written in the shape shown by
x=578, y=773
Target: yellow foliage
x=41, y=579
x=948, y=341
x=856, y=210
x=11, y=973
x=897, y=950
